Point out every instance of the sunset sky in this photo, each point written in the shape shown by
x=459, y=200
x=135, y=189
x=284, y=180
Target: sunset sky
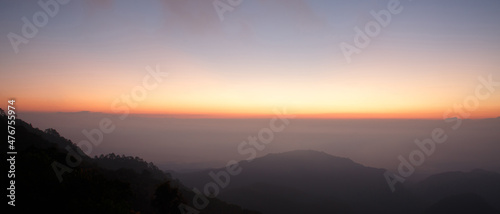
x=265, y=54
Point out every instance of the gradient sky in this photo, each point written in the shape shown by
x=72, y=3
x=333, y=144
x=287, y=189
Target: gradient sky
x=265, y=54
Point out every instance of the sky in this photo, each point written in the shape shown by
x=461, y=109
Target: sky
x=264, y=54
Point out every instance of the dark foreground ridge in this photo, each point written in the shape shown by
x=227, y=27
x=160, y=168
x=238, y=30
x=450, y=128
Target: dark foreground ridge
x=106, y=184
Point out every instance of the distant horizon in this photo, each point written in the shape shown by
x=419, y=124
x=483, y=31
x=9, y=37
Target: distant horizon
x=212, y=141
x=360, y=116
x=192, y=166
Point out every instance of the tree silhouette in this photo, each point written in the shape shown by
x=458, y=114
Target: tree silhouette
x=53, y=132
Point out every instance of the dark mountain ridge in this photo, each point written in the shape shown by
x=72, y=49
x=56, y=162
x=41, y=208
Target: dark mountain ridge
x=106, y=184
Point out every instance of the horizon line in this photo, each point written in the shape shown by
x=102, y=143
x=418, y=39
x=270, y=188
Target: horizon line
x=354, y=116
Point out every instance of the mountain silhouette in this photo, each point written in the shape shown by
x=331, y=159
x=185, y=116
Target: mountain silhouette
x=307, y=181
x=106, y=184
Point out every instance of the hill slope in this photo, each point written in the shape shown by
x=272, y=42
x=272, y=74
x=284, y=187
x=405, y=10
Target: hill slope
x=106, y=184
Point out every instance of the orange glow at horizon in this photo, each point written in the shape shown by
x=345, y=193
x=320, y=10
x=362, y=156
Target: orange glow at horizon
x=194, y=89
x=198, y=112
